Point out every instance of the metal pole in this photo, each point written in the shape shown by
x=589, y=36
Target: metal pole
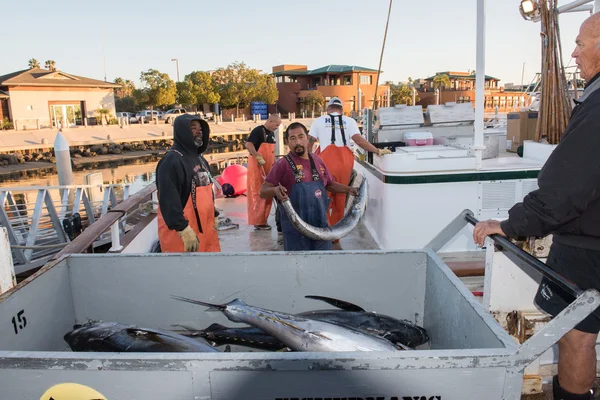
x=7, y=269
x=177, y=64
x=381, y=56
x=587, y=7
x=575, y=4
x=389, y=93
x=115, y=237
x=522, y=76
x=530, y=260
x=414, y=96
x=596, y=6
x=63, y=160
x=479, y=84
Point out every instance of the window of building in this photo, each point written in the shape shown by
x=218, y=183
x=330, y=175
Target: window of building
x=496, y=101
x=488, y=102
x=509, y=102
x=316, y=81
x=502, y=101
x=347, y=80
x=366, y=80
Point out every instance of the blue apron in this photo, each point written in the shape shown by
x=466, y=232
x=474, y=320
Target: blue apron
x=310, y=201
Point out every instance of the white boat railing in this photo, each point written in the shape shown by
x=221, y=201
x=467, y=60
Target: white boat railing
x=41, y=220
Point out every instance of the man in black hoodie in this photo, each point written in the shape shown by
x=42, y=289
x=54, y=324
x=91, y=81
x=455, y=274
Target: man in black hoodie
x=567, y=204
x=186, y=212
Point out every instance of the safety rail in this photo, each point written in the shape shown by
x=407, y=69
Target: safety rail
x=42, y=220
x=112, y=221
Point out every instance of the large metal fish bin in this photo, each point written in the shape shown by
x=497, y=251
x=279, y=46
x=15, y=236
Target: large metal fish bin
x=470, y=356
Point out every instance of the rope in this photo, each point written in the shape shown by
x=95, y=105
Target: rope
x=381, y=57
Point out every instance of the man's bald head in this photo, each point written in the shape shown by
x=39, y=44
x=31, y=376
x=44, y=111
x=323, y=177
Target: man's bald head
x=587, y=49
x=593, y=24
x=273, y=122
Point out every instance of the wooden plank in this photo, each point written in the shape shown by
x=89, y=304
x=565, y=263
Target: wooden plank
x=467, y=268
x=88, y=236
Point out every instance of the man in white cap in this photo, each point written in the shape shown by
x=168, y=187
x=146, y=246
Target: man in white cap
x=337, y=135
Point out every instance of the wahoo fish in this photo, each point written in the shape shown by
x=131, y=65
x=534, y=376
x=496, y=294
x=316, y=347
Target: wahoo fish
x=351, y=218
x=297, y=332
x=115, y=337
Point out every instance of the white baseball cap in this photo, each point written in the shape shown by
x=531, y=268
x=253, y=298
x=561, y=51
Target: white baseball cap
x=335, y=101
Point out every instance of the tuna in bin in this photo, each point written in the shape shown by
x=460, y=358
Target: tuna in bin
x=114, y=337
x=398, y=331
x=300, y=332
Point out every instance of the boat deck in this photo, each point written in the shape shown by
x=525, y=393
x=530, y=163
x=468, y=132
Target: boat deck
x=468, y=266
x=245, y=238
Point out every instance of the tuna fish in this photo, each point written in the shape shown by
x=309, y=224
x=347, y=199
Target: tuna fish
x=244, y=336
x=297, y=332
x=400, y=332
x=351, y=218
x=115, y=337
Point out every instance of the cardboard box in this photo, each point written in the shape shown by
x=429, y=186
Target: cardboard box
x=520, y=126
x=532, y=120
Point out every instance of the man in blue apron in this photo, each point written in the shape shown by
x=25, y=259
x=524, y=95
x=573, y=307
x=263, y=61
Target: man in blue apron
x=306, y=178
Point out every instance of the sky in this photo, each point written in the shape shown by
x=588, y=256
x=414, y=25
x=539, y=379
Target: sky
x=134, y=36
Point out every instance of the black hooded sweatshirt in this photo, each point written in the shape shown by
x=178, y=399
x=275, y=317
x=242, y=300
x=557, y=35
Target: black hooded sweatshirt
x=567, y=202
x=174, y=173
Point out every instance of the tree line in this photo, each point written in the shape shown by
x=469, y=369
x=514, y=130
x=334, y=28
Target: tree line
x=234, y=86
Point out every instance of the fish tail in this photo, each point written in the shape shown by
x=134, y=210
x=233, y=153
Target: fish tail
x=211, y=307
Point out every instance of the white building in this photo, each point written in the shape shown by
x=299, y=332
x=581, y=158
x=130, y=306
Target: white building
x=41, y=98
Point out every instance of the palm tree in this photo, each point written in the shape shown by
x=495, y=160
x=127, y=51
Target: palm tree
x=50, y=65
x=104, y=112
x=129, y=87
x=33, y=63
x=120, y=91
x=442, y=80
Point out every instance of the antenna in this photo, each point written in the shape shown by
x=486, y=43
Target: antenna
x=381, y=57
x=103, y=54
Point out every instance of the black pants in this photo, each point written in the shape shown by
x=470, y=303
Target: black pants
x=582, y=267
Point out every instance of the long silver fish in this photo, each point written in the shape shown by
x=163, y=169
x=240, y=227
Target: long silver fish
x=400, y=332
x=351, y=218
x=298, y=333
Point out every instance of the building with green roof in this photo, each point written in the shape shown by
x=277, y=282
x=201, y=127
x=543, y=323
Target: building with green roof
x=353, y=84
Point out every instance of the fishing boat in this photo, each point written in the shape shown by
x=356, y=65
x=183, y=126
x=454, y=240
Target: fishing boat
x=422, y=198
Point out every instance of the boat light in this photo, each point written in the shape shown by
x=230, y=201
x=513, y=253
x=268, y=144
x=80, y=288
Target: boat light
x=530, y=9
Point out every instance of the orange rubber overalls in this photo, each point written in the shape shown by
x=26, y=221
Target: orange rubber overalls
x=259, y=209
x=199, y=212
x=339, y=162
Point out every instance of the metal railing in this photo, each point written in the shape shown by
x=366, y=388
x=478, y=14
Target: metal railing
x=41, y=220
